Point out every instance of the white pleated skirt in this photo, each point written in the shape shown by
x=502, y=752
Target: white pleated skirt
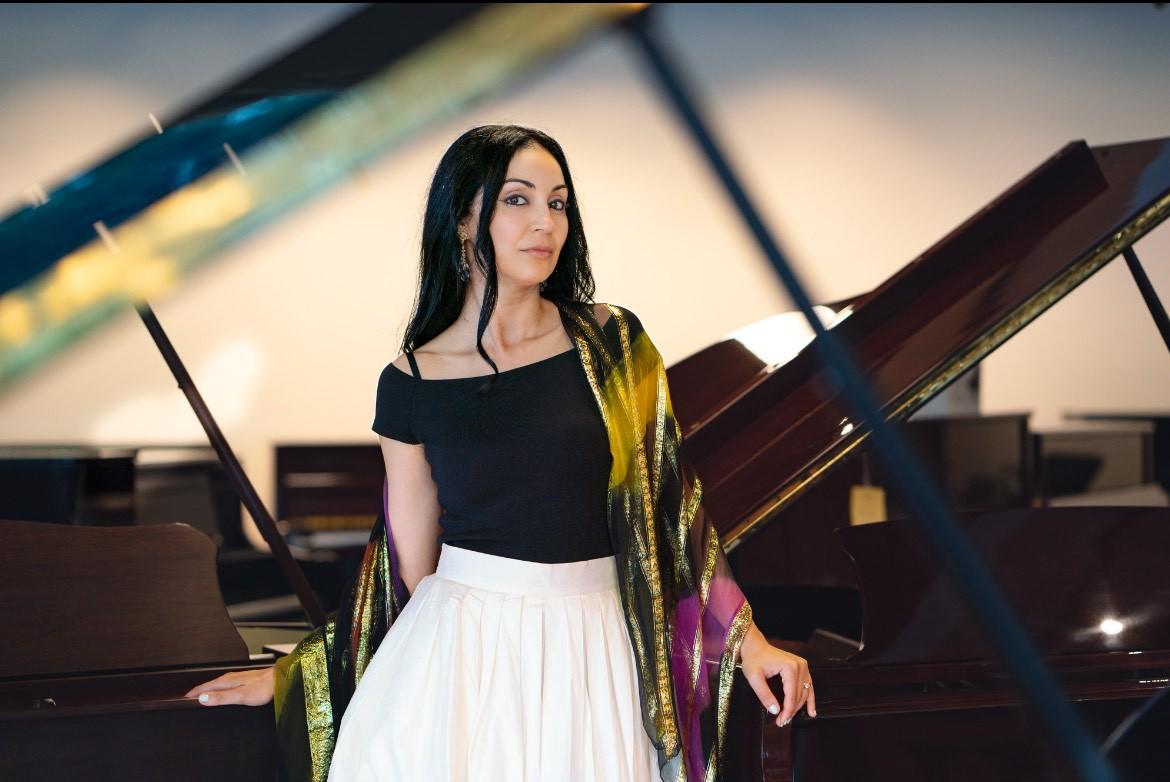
x=501, y=669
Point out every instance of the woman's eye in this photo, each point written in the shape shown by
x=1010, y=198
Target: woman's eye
x=508, y=200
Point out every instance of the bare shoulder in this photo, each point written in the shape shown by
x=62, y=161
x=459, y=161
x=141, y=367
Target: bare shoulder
x=434, y=352
x=601, y=312
x=445, y=356
x=604, y=313
x=402, y=363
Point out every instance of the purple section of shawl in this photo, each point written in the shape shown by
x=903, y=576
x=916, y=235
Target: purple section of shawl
x=723, y=602
x=398, y=585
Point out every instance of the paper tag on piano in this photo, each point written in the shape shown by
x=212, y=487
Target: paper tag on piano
x=867, y=504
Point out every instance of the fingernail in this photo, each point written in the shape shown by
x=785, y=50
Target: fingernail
x=204, y=698
x=774, y=709
x=785, y=722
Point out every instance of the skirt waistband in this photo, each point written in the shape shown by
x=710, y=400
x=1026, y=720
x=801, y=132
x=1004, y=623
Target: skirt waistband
x=519, y=576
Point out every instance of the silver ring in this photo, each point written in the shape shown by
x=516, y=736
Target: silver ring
x=807, y=685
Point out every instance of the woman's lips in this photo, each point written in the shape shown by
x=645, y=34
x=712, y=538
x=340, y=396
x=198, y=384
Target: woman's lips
x=539, y=253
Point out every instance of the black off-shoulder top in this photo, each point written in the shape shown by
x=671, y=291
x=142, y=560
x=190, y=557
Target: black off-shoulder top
x=522, y=471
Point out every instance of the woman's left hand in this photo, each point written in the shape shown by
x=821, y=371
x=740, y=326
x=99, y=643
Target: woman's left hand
x=760, y=660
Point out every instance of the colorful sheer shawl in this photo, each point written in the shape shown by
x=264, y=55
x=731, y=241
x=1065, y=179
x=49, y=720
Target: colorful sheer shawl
x=685, y=613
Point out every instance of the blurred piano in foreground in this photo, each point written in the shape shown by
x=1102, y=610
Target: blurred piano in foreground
x=779, y=453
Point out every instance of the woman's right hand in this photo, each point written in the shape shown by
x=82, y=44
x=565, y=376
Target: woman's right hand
x=247, y=688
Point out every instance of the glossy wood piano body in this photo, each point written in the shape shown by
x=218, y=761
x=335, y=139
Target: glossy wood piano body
x=925, y=697
x=777, y=448
x=105, y=630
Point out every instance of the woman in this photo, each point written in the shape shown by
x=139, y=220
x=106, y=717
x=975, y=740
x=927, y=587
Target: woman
x=550, y=600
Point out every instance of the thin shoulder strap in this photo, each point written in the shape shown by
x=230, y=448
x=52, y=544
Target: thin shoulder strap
x=413, y=364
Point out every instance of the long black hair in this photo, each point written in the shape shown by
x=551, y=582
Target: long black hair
x=480, y=158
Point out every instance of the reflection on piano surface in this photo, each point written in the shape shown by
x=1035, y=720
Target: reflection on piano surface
x=925, y=698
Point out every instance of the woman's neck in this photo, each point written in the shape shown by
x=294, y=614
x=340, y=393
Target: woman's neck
x=512, y=323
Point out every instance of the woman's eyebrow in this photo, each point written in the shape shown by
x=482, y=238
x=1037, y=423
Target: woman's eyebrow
x=526, y=182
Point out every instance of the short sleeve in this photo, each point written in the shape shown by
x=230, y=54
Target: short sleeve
x=394, y=405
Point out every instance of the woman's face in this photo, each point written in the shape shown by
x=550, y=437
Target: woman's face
x=531, y=214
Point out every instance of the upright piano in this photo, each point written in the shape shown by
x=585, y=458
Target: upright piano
x=906, y=687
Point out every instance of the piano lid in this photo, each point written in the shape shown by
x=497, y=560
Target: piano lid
x=929, y=323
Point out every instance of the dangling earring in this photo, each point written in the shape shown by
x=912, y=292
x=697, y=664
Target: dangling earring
x=464, y=268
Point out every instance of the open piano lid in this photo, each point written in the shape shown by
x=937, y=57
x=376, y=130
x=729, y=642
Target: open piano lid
x=929, y=323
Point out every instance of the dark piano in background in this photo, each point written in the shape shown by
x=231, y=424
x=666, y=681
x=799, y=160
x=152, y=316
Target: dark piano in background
x=1144, y=440
x=906, y=688
x=327, y=495
x=1079, y=462
x=320, y=489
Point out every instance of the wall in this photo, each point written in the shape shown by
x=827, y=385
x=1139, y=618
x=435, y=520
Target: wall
x=864, y=133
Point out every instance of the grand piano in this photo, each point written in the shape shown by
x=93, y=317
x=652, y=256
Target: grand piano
x=906, y=686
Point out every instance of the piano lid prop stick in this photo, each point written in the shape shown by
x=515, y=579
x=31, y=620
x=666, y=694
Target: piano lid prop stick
x=1149, y=295
x=244, y=488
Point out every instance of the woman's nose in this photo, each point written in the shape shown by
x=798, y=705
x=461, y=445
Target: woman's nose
x=544, y=219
